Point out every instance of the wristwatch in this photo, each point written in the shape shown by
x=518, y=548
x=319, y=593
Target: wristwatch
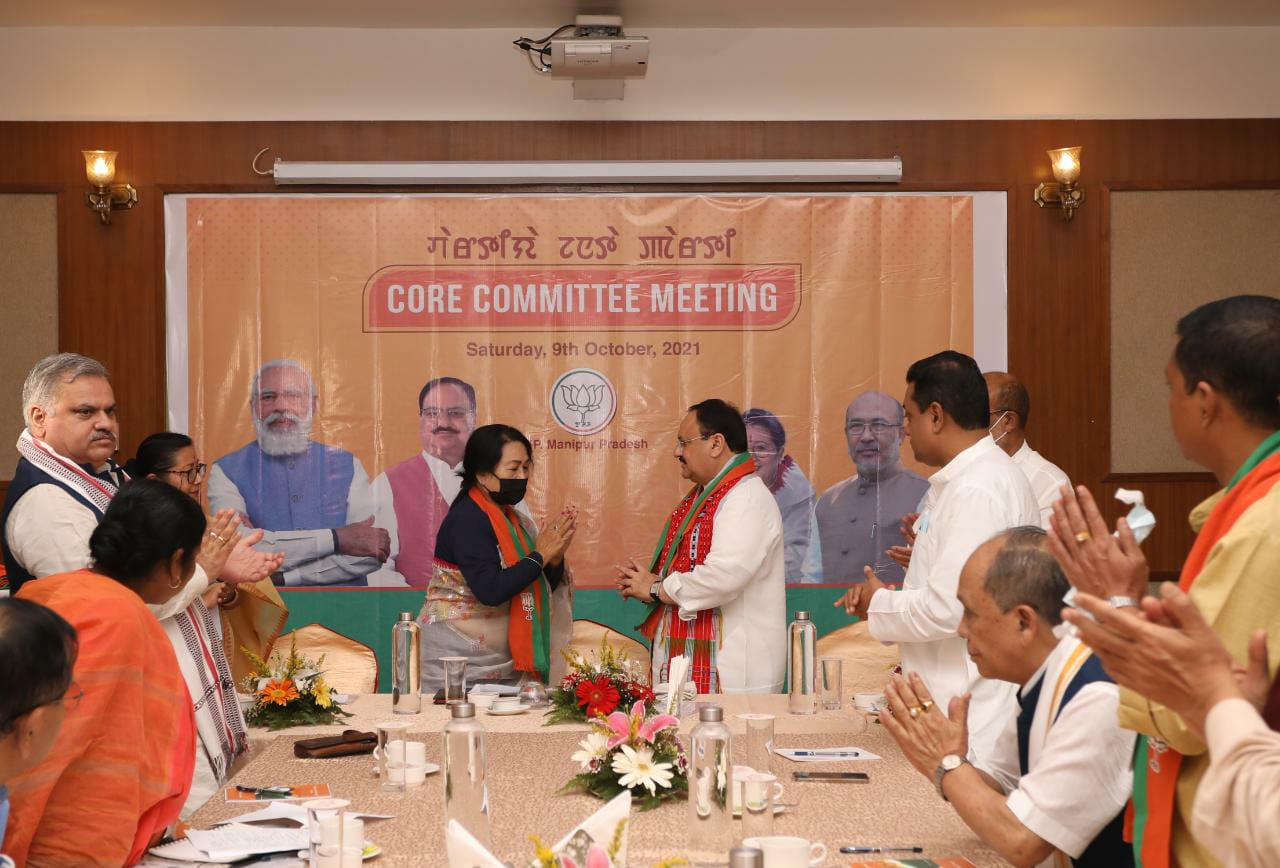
x=949, y=763
x=655, y=589
x=1122, y=602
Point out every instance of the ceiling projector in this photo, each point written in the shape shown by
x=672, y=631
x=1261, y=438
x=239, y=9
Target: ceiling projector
x=593, y=52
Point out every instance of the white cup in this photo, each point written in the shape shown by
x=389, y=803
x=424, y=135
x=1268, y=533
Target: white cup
x=327, y=857
x=742, y=774
x=505, y=703
x=869, y=702
x=352, y=832
x=481, y=700
x=784, y=851
x=406, y=774
x=760, y=789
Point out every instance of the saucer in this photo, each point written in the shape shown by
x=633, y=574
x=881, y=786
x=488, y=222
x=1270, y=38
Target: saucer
x=502, y=712
x=777, y=809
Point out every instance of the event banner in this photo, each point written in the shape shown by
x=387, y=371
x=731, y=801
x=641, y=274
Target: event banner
x=331, y=354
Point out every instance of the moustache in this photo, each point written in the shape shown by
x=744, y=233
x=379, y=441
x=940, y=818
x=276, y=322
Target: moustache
x=103, y=435
x=444, y=430
x=283, y=416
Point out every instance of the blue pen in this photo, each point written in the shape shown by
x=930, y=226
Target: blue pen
x=853, y=753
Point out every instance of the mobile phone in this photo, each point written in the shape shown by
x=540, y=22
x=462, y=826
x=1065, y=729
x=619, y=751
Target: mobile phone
x=843, y=777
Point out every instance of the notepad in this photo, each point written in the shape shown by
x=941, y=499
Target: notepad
x=296, y=793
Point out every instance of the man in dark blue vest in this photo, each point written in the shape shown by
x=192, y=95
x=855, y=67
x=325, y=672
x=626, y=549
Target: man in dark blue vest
x=65, y=478
x=1056, y=785
x=313, y=501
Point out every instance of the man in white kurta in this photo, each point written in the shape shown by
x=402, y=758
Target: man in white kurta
x=735, y=585
x=977, y=492
x=1009, y=411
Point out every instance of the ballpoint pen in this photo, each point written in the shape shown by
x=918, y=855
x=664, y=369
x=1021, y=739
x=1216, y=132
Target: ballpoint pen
x=881, y=849
x=268, y=792
x=851, y=753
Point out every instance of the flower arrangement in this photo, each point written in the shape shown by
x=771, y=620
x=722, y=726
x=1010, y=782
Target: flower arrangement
x=632, y=752
x=594, y=688
x=289, y=691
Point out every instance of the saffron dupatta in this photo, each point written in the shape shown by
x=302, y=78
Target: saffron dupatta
x=1155, y=777
x=529, y=623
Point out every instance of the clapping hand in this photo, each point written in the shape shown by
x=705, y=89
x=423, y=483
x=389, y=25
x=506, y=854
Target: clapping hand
x=901, y=555
x=920, y=728
x=1094, y=561
x=857, y=599
x=555, y=538
x=247, y=565
x=220, y=539
x=634, y=580
x=1170, y=654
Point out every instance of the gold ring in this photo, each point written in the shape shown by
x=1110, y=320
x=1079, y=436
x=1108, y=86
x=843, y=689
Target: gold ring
x=1084, y=536
x=219, y=538
x=926, y=704
x=915, y=712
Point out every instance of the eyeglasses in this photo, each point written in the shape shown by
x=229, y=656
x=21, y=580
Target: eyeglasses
x=453, y=414
x=682, y=443
x=194, y=473
x=764, y=453
x=1001, y=410
x=71, y=699
x=877, y=426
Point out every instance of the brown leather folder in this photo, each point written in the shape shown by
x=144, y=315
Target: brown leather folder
x=349, y=743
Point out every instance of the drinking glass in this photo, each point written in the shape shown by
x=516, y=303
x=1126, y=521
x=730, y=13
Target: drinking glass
x=390, y=749
x=759, y=792
x=829, y=686
x=759, y=741
x=455, y=679
x=319, y=810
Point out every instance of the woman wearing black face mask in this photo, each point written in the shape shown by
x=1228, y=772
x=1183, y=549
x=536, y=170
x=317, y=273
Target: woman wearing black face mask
x=500, y=593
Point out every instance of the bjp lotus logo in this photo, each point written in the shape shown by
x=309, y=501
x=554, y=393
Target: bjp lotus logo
x=583, y=401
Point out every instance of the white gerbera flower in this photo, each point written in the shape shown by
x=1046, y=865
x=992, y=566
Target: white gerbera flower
x=638, y=768
x=594, y=747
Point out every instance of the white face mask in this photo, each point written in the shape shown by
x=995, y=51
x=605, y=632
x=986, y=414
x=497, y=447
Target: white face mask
x=993, y=428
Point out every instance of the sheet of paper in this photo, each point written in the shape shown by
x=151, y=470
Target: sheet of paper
x=825, y=754
x=236, y=840
x=496, y=689
x=287, y=811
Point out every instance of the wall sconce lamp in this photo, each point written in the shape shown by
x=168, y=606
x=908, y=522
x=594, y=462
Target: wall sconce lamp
x=1064, y=194
x=100, y=169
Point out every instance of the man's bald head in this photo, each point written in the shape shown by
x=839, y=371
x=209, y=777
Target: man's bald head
x=1010, y=406
x=873, y=427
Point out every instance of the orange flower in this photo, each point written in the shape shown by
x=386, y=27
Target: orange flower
x=279, y=692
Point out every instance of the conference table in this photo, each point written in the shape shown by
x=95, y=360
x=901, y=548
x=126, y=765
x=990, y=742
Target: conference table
x=529, y=762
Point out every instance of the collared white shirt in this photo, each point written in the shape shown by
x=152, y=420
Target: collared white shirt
x=309, y=556
x=384, y=514
x=48, y=533
x=1080, y=770
x=743, y=575
x=978, y=494
x=1046, y=479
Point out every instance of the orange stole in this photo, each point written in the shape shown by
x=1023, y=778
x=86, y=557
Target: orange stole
x=122, y=765
x=1152, y=829
x=530, y=650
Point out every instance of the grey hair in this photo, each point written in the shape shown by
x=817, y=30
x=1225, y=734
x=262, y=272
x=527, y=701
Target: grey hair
x=51, y=373
x=281, y=363
x=1024, y=573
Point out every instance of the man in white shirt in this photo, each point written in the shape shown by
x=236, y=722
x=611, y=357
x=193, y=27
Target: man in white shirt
x=1060, y=778
x=312, y=500
x=716, y=580
x=415, y=494
x=977, y=493
x=1010, y=410
x=66, y=479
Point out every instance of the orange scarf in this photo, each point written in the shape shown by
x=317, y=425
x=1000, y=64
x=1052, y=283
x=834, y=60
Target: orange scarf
x=530, y=648
x=1150, y=818
x=121, y=768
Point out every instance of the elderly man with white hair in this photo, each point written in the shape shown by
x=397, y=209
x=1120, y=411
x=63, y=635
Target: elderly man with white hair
x=313, y=501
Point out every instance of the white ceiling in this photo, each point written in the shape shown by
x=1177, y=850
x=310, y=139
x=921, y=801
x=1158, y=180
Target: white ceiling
x=543, y=15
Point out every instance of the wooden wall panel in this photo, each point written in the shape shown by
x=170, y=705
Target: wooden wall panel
x=112, y=303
